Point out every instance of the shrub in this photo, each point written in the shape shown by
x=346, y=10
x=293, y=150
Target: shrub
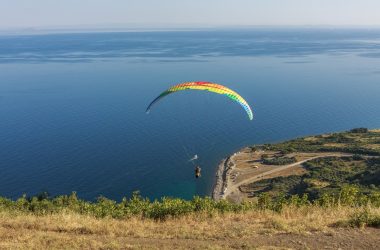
x=359, y=130
x=364, y=218
x=349, y=195
x=299, y=201
x=279, y=160
x=326, y=200
x=265, y=201
x=357, y=157
x=174, y=207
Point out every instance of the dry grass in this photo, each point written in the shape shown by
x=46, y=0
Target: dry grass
x=68, y=231
x=373, y=146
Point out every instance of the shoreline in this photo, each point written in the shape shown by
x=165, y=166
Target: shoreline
x=222, y=175
x=219, y=181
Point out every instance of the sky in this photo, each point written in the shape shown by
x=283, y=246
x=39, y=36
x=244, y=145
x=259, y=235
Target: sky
x=186, y=13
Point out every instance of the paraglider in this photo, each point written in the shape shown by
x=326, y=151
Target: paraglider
x=208, y=86
x=197, y=172
x=197, y=168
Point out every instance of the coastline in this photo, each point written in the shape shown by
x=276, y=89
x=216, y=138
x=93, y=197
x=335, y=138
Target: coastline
x=222, y=174
x=219, y=181
x=251, y=164
x=229, y=169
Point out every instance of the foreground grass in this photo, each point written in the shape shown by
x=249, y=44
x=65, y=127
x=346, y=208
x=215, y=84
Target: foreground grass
x=230, y=230
x=71, y=223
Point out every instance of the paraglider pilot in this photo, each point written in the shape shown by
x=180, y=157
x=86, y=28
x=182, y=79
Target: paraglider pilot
x=197, y=172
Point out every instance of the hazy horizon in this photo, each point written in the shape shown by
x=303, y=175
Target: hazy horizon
x=168, y=14
x=147, y=28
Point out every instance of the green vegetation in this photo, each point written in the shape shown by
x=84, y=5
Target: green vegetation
x=357, y=141
x=362, y=219
x=359, y=130
x=327, y=176
x=279, y=161
x=138, y=206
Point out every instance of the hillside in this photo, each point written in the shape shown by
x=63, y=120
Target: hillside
x=313, y=165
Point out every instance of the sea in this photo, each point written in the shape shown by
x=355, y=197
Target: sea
x=72, y=105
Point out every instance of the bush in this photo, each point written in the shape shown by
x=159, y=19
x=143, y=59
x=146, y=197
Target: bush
x=265, y=201
x=357, y=157
x=349, y=195
x=279, y=161
x=164, y=208
x=326, y=200
x=364, y=218
x=299, y=201
x=359, y=130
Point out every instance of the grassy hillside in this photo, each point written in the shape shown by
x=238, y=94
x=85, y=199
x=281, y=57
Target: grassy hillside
x=326, y=176
x=293, y=223
x=356, y=141
x=296, y=227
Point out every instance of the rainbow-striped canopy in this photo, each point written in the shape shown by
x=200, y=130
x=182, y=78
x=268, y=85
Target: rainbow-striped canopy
x=209, y=86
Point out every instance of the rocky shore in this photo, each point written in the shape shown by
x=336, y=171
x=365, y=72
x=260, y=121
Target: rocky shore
x=222, y=176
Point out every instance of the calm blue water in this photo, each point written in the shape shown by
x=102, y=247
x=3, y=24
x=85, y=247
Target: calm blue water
x=72, y=106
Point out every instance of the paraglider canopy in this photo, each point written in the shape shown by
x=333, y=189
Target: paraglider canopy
x=208, y=86
x=195, y=157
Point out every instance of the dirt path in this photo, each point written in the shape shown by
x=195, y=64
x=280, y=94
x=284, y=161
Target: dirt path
x=234, y=187
x=340, y=239
x=337, y=239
